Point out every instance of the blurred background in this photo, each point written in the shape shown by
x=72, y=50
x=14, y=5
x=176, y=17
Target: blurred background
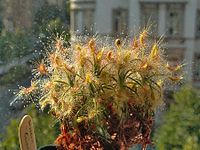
x=26, y=25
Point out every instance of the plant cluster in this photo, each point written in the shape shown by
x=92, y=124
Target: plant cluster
x=104, y=95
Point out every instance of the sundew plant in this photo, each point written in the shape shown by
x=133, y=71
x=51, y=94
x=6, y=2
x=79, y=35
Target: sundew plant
x=104, y=95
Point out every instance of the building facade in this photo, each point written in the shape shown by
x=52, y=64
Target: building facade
x=177, y=20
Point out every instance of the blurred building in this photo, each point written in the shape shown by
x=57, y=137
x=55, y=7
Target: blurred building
x=19, y=14
x=178, y=20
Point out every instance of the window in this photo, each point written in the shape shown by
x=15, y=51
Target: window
x=74, y=20
x=120, y=21
x=196, y=67
x=149, y=15
x=198, y=23
x=88, y=21
x=82, y=21
x=174, y=55
x=175, y=19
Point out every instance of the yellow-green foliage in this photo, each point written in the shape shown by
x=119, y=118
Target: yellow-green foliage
x=10, y=138
x=81, y=82
x=44, y=128
x=180, y=129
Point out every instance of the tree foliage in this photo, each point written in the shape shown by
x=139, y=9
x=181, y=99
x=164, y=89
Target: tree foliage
x=49, y=17
x=48, y=20
x=14, y=45
x=181, y=125
x=49, y=23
